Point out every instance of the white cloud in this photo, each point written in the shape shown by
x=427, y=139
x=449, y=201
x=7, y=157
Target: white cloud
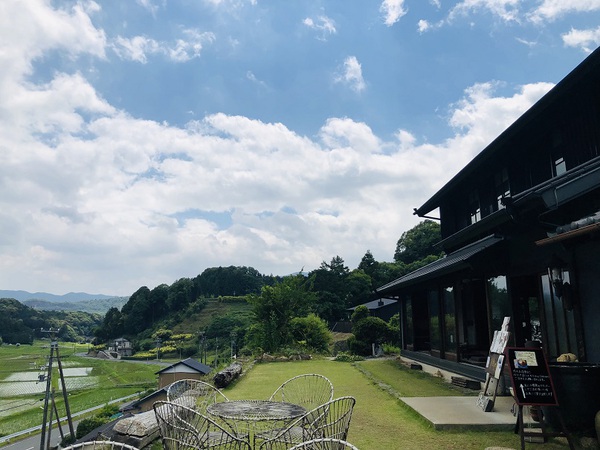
x=29, y=29
x=507, y=10
x=149, y=5
x=587, y=40
x=351, y=75
x=136, y=48
x=393, y=10
x=550, y=10
x=323, y=24
x=101, y=201
x=107, y=193
x=423, y=26
x=139, y=47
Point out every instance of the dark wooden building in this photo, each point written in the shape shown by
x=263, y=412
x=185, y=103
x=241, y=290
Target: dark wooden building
x=520, y=229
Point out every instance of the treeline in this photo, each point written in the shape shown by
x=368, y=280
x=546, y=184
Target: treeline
x=332, y=289
x=22, y=324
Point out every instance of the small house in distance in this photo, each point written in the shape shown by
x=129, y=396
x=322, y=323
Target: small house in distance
x=188, y=368
x=120, y=347
x=384, y=308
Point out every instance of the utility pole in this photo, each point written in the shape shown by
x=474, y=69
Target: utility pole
x=49, y=400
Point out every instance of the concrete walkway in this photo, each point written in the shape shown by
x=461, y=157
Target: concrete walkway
x=446, y=413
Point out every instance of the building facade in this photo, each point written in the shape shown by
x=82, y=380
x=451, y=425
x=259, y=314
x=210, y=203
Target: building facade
x=520, y=230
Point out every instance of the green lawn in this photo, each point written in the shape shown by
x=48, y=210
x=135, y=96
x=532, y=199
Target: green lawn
x=380, y=421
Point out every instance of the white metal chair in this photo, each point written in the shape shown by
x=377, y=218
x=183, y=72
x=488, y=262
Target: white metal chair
x=195, y=394
x=182, y=428
x=330, y=420
x=324, y=444
x=308, y=390
x=100, y=445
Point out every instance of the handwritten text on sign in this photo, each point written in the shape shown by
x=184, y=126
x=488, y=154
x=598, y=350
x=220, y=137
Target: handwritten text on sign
x=530, y=377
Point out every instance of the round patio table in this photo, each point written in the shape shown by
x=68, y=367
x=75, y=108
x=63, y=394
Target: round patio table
x=247, y=417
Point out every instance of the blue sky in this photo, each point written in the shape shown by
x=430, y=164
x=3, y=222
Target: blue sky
x=144, y=141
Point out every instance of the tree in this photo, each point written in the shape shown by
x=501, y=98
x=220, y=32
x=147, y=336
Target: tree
x=358, y=286
x=369, y=266
x=311, y=330
x=418, y=242
x=274, y=309
x=328, y=282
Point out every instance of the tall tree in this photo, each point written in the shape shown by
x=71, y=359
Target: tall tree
x=328, y=282
x=274, y=309
x=418, y=242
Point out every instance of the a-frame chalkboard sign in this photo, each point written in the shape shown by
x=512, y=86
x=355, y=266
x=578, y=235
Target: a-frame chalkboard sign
x=532, y=386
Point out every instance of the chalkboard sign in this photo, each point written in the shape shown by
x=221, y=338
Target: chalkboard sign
x=530, y=376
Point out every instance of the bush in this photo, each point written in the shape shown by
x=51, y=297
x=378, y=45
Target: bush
x=312, y=331
x=359, y=347
x=347, y=357
x=90, y=424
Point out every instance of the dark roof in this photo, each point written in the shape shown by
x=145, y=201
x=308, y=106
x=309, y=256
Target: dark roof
x=591, y=63
x=192, y=364
x=134, y=404
x=451, y=263
x=376, y=304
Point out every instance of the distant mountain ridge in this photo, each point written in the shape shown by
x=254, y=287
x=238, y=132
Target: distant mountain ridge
x=71, y=297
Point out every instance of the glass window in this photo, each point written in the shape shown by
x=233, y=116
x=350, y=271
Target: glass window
x=474, y=207
x=449, y=320
x=560, y=166
x=434, y=320
x=408, y=323
x=502, y=187
x=499, y=301
x=559, y=317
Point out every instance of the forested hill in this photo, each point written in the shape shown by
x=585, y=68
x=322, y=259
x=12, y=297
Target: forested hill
x=21, y=324
x=100, y=306
x=71, y=297
x=333, y=287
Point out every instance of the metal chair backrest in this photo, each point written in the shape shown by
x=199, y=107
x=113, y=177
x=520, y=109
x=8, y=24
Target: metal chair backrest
x=181, y=427
x=195, y=394
x=324, y=444
x=100, y=445
x=335, y=422
x=330, y=420
x=308, y=390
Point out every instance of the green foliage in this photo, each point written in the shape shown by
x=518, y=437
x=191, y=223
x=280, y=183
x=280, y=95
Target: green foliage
x=89, y=424
x=163, y=334
x=418, y=242
x=274, y=309
x=361, y=312
x=372, y=330
x=359, y=347
x=21, y=324
x=329, y=283
x=311, y=330
x=348, y=357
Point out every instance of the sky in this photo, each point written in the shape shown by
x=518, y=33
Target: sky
x=144, y=141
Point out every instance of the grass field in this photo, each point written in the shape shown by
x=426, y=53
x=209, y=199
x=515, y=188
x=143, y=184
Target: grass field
x=90, y=382
x=380, y=420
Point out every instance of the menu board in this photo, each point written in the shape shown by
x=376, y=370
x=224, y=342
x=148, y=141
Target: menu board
x=530, y=376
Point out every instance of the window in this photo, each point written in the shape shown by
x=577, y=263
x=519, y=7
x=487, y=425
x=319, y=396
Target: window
x=499, y=301
x=434, y=320
x=560, y=166
x=502, y=187
x=449, y=320
x=474, y=207
x=559, y=319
